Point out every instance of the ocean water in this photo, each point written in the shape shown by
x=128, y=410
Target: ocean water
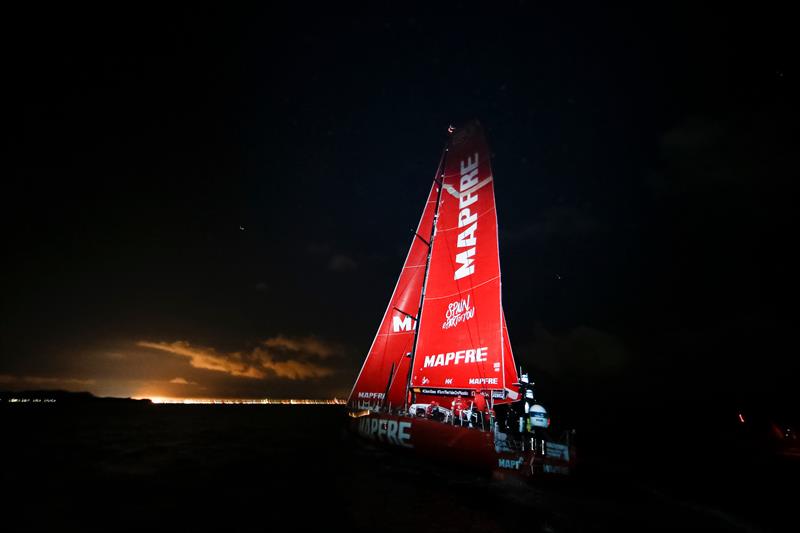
x=292, y=468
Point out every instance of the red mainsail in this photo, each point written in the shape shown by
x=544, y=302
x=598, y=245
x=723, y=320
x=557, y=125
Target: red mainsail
x=460, y=345
x=382, y=380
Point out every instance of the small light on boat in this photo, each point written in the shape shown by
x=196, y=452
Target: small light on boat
x=741, y=418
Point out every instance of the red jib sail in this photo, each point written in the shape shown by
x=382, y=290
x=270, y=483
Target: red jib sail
x=460, y=346
x=382, y=380
x=509, y=368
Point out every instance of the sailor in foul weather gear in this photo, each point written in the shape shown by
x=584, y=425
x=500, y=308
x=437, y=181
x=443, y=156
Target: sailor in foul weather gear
x=458, y=408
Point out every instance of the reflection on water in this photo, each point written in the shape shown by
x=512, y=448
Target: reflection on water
x=132, y=467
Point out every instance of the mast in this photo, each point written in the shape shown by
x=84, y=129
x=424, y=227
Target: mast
x=439, y=179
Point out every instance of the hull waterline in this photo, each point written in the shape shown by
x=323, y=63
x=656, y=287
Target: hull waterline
x=476, y=449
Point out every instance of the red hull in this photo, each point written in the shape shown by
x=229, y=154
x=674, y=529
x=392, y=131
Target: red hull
x=473, y=448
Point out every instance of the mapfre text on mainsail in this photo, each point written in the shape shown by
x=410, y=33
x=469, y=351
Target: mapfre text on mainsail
x=461, y=356
x=468, y=195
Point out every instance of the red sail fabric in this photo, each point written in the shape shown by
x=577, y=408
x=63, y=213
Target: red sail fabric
x=395, y=337
x=460, y=345
x=509, y=370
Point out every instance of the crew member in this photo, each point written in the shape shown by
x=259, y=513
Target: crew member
x=458, y=407
x=479, y=404
x=526, y=391
x=488, y=418
x=432, y=408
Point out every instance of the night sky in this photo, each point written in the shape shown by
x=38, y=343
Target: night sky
x=217, y=204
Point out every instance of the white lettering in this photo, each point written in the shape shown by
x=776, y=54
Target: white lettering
x=467, y=185
x=483, y=381
x=466, y=268
x=480, y=355
x=371, y=395
x=466, y=217
x=386, y=430
x=467, y=237
x=470, y=357
x=401, y=324
x=466, y=199
x=403, y=435
x=470, y=164
x=469, y=179
x=513, y=464
x=458, y=312
x=466, y=356
x=391, y=434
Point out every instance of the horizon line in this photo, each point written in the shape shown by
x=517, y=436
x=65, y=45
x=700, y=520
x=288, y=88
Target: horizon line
x=254, y=401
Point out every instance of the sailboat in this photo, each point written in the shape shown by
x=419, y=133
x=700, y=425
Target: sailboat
x=440, y=377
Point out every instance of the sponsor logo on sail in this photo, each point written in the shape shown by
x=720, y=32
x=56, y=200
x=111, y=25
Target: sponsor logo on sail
x=402, y=323
x=369, y=400
x=456, y=358
x=484, y=381
x=365, y=395
x=458, y=312
x=468, y=185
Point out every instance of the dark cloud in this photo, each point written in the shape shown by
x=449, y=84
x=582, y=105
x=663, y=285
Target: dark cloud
x=280, y=358
x=46, y=382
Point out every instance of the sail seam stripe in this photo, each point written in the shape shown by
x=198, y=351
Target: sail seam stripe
x=473, y=287
x=479, y=217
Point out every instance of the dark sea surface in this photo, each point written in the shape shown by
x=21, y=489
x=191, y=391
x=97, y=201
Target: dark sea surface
x=279, y=468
